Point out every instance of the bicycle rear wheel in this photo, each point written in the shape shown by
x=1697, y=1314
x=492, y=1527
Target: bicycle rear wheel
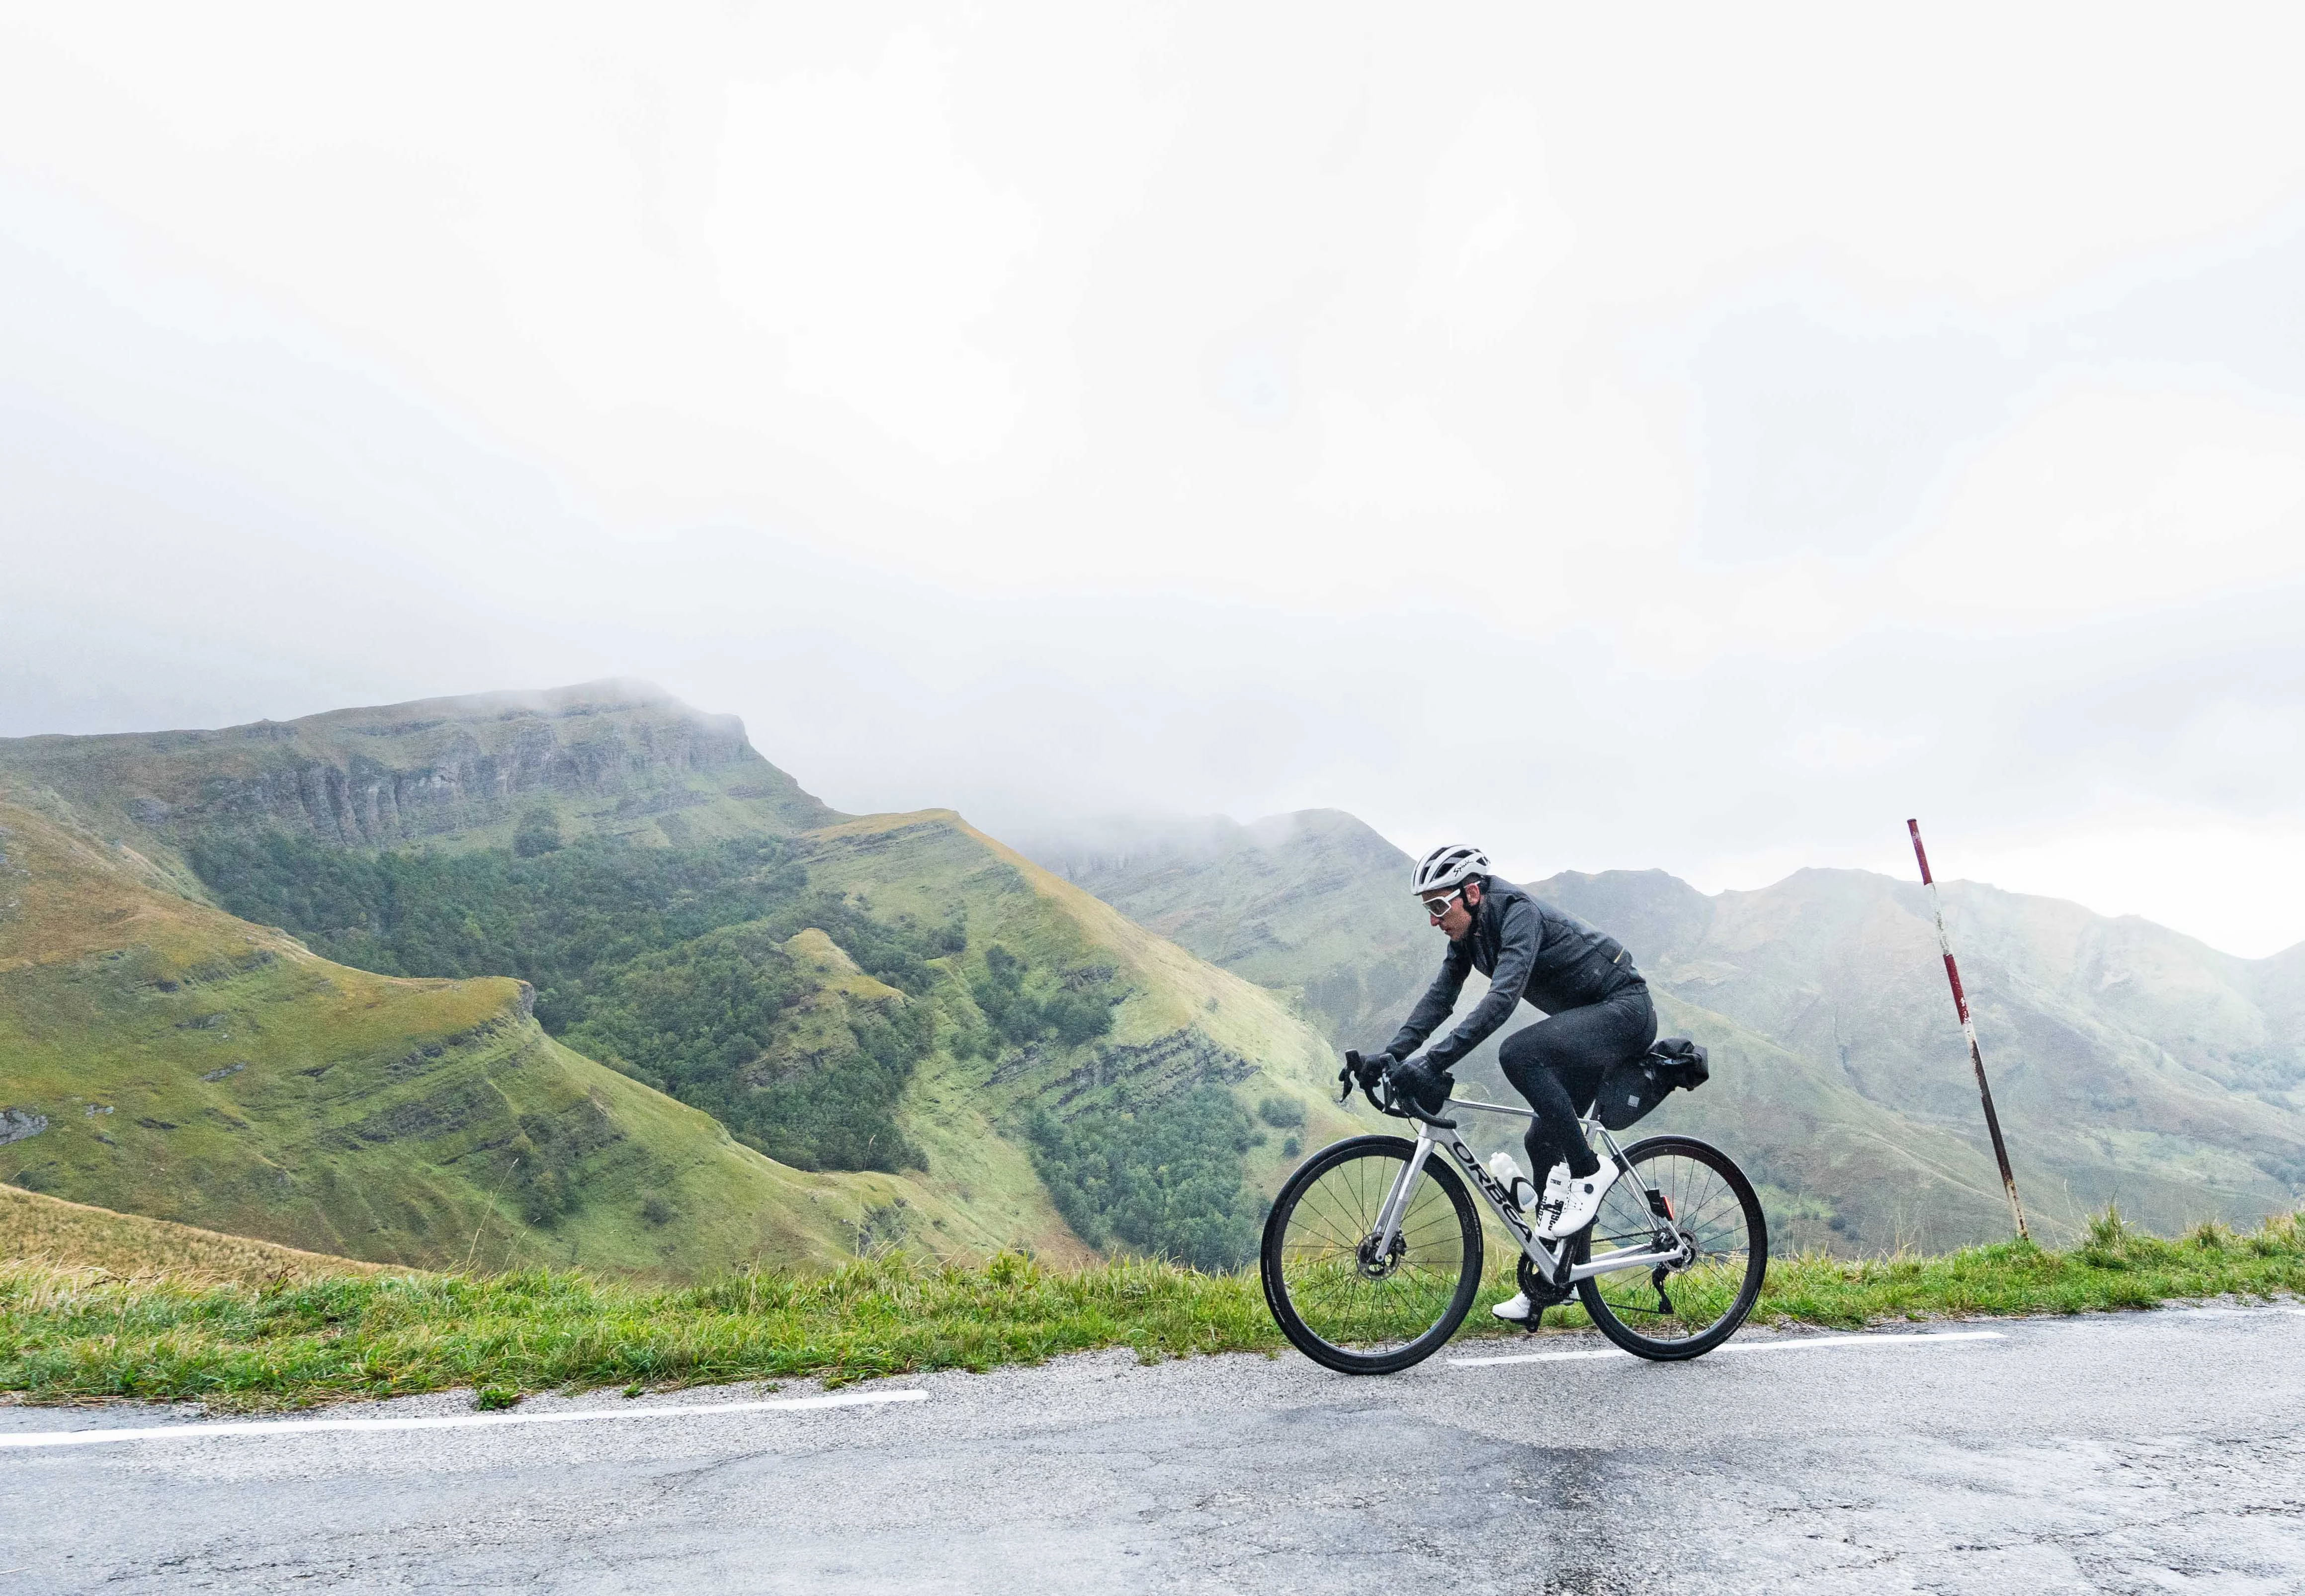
x=1336, y=1299
x=1686, y=1310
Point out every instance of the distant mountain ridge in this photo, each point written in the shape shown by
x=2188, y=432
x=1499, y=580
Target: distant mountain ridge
x=1313, y=903
x=2130, y=1063
x=1016, y=1021
x=621, y=757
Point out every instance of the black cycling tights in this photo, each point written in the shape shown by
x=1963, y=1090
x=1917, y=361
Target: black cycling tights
x=1557, y=1064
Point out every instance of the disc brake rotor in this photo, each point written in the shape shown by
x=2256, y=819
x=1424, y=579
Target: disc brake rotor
x=1373, y=1267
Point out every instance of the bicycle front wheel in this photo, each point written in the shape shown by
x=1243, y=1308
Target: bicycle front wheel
x=1343, y=1298
x=1689, y=1308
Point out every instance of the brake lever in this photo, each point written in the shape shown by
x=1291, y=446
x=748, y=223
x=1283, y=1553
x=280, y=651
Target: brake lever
x=1397, y=1104
x=1380, y=1096
x=1344, y=1077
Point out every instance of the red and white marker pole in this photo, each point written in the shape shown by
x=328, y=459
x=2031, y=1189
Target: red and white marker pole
x=1969, y=1032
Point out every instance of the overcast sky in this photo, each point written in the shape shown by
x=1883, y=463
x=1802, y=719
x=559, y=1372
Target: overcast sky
x=1676, y=437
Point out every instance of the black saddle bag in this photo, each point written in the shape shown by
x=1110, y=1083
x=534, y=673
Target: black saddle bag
x=1629, y=1091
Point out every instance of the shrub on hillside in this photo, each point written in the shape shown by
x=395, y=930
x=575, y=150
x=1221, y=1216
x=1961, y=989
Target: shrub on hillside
x=539, y=832
x=556, y=919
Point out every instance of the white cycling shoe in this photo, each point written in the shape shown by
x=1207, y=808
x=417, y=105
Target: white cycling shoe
x=1571, y=1204
x=1516, y=1311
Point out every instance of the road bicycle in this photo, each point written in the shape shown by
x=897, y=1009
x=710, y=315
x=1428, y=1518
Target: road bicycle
x=1372, y=1253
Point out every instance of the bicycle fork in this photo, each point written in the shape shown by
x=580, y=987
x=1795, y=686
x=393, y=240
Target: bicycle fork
x=1379, y=1250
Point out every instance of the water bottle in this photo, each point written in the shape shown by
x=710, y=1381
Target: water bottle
x=1507, y=1174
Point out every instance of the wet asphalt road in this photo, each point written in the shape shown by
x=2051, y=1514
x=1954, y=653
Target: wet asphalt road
x=2145, y=1452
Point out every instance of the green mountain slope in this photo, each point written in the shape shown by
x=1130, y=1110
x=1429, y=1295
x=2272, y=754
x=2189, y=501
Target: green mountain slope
x=76, y=1235
x=2131, y=1064
x=1180, y=1026
x=160, y=1058
x=1836, y=1170
x=897, y=996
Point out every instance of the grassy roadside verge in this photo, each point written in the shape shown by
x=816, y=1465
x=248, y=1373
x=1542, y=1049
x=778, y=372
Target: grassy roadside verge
x=69, y=1334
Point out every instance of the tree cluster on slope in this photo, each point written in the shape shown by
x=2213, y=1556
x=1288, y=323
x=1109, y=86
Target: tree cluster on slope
x=555, y=919
x=697, y=1021
x=664, y=962
x=1164, y=1179
x=1080, y=1010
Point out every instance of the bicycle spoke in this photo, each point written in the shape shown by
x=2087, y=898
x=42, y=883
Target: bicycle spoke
x=1359, y=1306
x=1687, y=1306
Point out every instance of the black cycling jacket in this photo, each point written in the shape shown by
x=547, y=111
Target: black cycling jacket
x=1530, y=951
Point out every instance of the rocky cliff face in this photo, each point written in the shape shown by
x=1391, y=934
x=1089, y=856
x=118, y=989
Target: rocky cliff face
x=466, y=781
x=612, y=753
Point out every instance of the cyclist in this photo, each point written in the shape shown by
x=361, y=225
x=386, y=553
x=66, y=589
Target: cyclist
x=1597, y=1009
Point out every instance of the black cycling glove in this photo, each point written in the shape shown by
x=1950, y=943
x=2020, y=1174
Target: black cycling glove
x=1368, y=1068
x=1421, y=1085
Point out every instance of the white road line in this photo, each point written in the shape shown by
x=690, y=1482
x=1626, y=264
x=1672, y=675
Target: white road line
x=1790, y=1343
x=277, y=1427
x=1539, y=1357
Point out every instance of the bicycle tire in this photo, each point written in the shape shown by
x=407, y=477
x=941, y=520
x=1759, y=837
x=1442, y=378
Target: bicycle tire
x=1720, y=1212
x=1311, y=1262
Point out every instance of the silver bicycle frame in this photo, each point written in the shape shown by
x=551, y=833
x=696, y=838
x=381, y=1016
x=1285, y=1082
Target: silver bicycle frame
x=1547, y=1260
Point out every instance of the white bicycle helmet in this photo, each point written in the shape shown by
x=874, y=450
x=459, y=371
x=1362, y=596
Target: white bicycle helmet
x=1447, y=866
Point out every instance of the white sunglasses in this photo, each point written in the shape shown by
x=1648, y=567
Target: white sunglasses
x=1438, y=907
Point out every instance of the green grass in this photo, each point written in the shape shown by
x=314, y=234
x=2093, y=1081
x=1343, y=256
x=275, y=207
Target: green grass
x=69, y=1334
x=2115, y=1266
